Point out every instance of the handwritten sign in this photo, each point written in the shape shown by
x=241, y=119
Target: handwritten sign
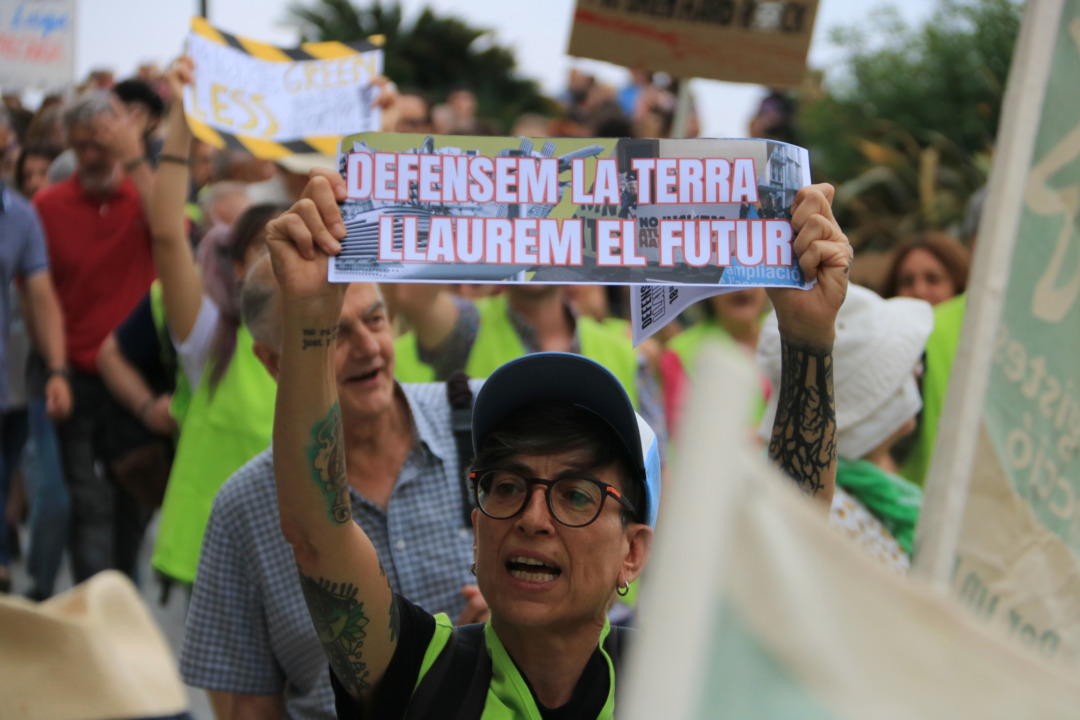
x=755, y=41
x=753, y=607
x=1001, y=520
x=37, y=43
x=273, y=101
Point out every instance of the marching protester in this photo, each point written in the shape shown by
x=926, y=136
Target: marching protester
x=226, y=418
x=99, y=255
x=931, y=266
x=732, y=318
x=549, y=564
x=449, y=332
x=248, y=638
x=46, y=493
x=24, y=256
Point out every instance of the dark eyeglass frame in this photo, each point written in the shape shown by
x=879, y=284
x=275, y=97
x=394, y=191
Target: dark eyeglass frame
x=531, y=482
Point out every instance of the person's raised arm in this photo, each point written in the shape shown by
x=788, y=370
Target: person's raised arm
x=347, y=592
x=181, y=289
x=804, y=433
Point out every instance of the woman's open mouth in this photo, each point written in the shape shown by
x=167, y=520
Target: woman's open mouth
x=531, y=570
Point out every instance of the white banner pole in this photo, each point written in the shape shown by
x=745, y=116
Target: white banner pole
x=949, y=476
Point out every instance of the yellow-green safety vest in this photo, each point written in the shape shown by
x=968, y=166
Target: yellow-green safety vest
x=181, y=397
x=508, y=696
x=940, y=353
x=687, y=345
x=220, y=433
x=497, y=342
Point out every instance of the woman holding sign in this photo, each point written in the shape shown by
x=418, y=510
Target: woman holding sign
x=227, y=417
x=565, y=482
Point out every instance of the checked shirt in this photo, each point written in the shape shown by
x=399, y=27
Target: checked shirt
x=248, y=629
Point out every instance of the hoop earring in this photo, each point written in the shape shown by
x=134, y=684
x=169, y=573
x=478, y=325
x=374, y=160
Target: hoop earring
x=472, y=569
x=623, y=589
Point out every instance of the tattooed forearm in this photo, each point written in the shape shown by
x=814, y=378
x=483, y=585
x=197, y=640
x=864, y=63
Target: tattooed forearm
x=326, y=452
x=804, y=432
x=339, y=621
x=317, y=338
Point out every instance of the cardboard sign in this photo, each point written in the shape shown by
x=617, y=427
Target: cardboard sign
x=754, y=41
x=1001, y=519
x=274, y=102
x=37, y=43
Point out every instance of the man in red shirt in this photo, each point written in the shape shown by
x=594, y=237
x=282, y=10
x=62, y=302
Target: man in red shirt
x=99, y=251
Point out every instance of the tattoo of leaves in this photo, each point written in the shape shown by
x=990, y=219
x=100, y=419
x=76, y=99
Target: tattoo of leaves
x=327, y=456
x=339, y=621
x=804, y=435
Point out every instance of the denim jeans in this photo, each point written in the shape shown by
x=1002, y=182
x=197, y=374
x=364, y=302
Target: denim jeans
x=49, y=503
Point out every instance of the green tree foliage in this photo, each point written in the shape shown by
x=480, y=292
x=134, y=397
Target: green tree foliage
x=905, y=128
x=434, y=55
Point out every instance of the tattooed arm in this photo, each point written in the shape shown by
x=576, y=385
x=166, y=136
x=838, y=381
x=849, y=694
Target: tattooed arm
x=803, y=439
x=804, y=434
x=347, y=594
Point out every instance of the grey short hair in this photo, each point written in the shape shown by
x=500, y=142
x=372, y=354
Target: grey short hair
x=219, y=190
x=260, y=303
x=83, y=109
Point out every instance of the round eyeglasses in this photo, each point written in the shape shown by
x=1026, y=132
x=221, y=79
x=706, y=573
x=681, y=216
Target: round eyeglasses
x=573, y=501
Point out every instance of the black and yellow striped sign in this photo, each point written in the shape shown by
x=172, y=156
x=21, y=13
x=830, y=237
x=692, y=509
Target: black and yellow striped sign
x=239, y=114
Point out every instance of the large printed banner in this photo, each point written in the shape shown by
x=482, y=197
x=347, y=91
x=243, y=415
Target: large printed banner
x=754, y=41
x=752, y=607
x=711, y=213
x=275, y=101
x=37, y=43
x=1017, y=560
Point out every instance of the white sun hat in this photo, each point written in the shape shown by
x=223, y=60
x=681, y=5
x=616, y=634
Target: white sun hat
x=90, y=653
x=878, y=345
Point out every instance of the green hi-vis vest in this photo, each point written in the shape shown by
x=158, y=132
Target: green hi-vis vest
x=220, y=433
x=181, y=397
x=508, y=696
x=687, y=345
x=497, y=342
x=940, y=353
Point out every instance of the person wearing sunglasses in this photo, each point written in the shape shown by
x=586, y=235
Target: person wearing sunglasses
x=567, y=487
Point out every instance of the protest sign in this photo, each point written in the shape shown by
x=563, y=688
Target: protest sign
x=274, y=102
x=713, y=213
x=754, y=41
x=37, y=43
x=753, y=607
x=1001, y=519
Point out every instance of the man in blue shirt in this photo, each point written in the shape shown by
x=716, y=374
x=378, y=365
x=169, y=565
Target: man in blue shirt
x=23, y=255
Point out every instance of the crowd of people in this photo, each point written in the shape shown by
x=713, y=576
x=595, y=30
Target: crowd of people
x=166, y=314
